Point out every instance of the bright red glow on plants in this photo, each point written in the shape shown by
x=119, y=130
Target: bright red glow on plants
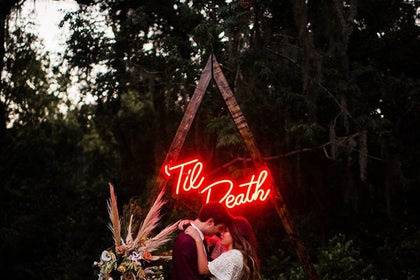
x=189, y=177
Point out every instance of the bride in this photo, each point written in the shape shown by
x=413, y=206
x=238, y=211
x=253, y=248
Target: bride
x=239, y=261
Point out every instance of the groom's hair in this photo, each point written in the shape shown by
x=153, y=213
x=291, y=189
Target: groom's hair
x=215, y=211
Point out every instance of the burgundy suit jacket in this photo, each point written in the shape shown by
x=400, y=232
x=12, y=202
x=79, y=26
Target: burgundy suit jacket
x=184, y=259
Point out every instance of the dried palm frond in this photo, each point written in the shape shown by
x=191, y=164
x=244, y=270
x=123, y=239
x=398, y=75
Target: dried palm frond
x=129, y=237
x=164, y=236
x=166, y=258
x=115, y=225
x=151, y=220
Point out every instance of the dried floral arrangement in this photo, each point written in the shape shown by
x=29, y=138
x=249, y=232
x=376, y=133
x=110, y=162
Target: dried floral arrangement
x=132, y=258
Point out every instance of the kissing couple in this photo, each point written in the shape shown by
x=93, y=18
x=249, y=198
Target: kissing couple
x=215, y=246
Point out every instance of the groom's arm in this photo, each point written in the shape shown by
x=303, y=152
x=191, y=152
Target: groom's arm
x=185, y=259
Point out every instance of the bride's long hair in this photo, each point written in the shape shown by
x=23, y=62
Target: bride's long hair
x=244, y=240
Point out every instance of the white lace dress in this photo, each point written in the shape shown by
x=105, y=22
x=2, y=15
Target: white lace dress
x=228, y=266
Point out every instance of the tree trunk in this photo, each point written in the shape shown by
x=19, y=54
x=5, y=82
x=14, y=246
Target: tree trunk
x=393, y=183
x=3, y=109
x=311, y=63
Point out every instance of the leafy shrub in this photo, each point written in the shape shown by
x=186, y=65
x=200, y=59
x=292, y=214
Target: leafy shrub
x=338, y=260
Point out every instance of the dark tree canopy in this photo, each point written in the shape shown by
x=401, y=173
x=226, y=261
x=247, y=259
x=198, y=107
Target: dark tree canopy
x=331, y=90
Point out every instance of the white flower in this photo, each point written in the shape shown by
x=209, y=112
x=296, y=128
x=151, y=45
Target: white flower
x=106, y=256
x=134, y=256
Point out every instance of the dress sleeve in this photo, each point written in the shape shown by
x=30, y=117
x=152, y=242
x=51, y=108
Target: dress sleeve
x=227, y=266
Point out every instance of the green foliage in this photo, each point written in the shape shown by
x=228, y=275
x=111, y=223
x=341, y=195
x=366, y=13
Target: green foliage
x=339, y=259
x=54, y=188
x=307, y=133
x=25, y=90
x=227, y=135
x=398, y=254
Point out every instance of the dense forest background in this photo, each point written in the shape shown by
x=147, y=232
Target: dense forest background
x=330, y=88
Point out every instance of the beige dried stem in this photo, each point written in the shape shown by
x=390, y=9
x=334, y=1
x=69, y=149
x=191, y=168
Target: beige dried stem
x=160, y=239
x=151, y=220
x=115, y=225
x=129, y=238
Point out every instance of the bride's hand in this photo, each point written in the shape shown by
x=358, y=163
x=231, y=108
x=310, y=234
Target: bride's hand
x=193, y=233
x=183, y=224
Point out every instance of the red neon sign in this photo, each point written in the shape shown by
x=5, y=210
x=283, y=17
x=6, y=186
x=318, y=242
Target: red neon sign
x=189, y=177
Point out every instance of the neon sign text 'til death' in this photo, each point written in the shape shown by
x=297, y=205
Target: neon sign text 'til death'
x=189, y=177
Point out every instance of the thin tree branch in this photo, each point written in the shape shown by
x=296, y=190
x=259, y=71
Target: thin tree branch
x=339, y=142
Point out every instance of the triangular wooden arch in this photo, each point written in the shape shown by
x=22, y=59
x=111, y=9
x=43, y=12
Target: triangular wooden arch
x=213, y=69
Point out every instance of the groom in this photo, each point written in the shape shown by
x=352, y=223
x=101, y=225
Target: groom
x=212, y=219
